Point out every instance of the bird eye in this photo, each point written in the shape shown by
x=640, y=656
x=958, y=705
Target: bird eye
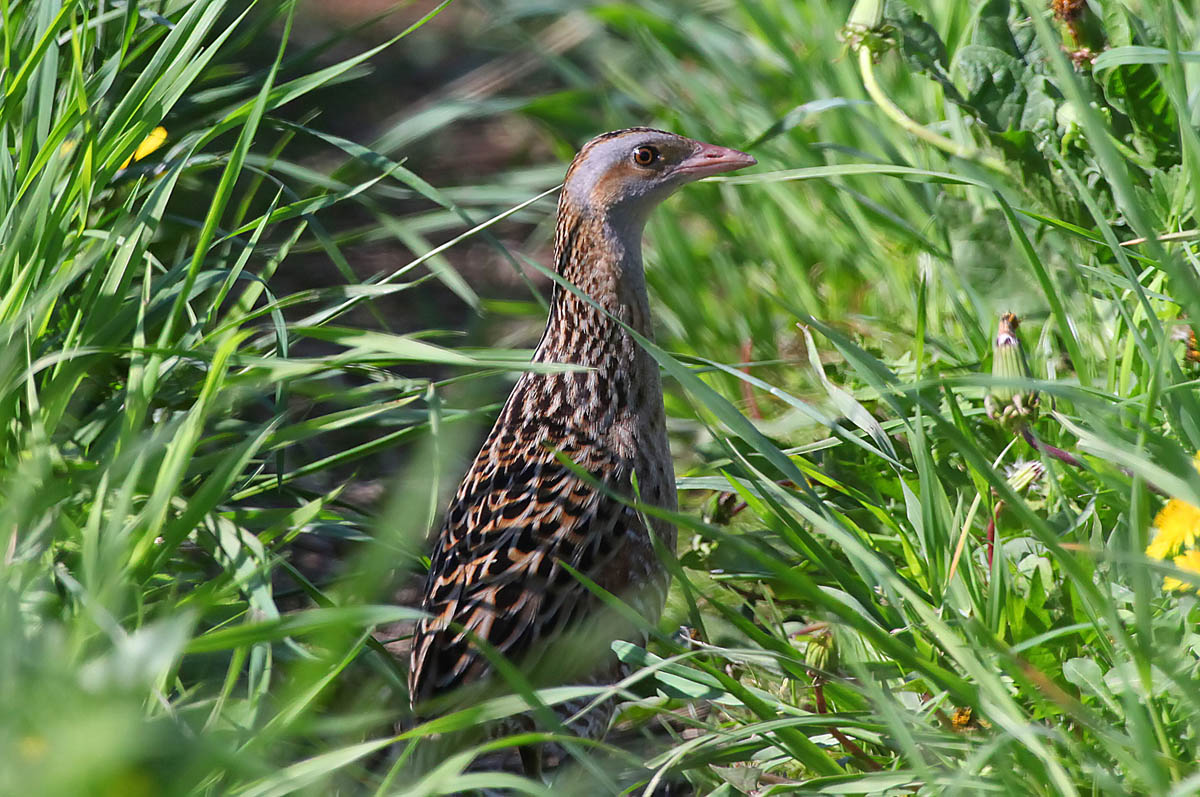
x=644, y=156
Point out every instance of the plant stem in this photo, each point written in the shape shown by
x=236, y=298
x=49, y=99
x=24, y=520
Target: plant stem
x=1049, y=450
x=847, y=743
x=896, y=114
x=747, y=389
x=991, y=533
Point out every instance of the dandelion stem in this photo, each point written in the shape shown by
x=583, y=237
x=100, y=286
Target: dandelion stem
x=1049, y=450
x=991, y=533
x=847, y=743
x=896, y=114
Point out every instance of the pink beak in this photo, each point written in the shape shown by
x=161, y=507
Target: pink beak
x=711, y=159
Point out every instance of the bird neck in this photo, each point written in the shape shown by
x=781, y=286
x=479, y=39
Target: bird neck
x=602, y=257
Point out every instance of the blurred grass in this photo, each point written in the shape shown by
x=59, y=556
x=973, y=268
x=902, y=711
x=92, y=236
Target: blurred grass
x=181, y=412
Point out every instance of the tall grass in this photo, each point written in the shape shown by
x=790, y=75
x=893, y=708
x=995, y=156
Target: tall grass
x=168, y=413
x=882, y=593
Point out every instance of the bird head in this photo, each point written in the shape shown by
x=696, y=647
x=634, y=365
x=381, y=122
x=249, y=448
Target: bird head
x=622, y=175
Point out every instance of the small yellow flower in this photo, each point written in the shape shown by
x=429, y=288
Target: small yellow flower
x=32, y=748
x=150, y=143
x=1190, y=562
x=1177, y=525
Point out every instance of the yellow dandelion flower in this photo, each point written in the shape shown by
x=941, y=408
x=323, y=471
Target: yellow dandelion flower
x=1177, y=526
x=149, y=144
x=1190, y=562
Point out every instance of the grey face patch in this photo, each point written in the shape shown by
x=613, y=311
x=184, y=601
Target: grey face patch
x=611, y=157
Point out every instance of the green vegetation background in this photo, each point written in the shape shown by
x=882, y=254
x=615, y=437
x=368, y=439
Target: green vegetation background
x=241, y=370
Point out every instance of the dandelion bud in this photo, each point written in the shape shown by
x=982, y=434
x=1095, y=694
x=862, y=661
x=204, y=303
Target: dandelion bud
x=865, y=27
x=1009, y=404
x=866, y=15
x=819, y=650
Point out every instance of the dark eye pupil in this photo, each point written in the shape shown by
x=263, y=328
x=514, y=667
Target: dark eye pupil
x=644, y=155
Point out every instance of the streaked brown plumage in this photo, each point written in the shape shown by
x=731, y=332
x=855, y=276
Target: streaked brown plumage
x=520, y=514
